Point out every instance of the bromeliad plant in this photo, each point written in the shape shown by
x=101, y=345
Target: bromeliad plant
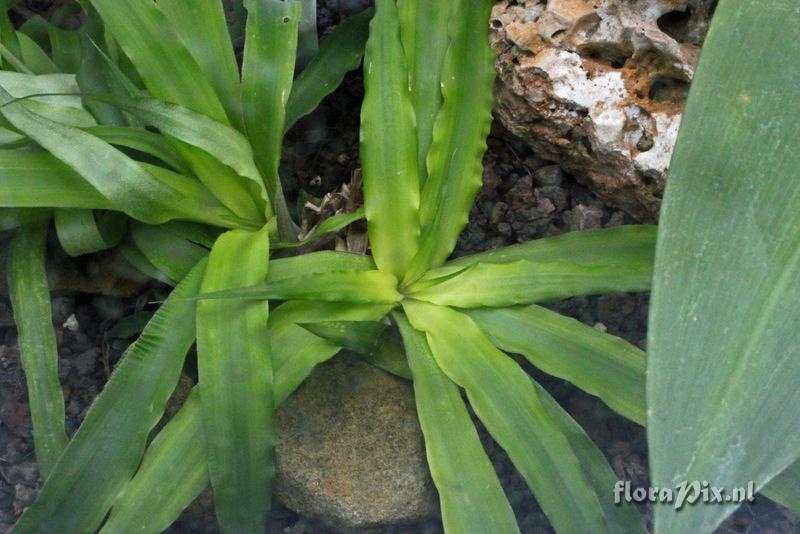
x=161, y=145
x=426, y=114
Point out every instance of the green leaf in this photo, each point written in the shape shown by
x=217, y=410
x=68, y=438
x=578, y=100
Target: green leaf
x=611, y=247
x=161, y=58
x=375, y=287
x=81, y=232
x=105, y=452
x=319, y=262
x=724, y=342
x=470, y=494
x=30, y=300
x=11, y=218
x=389, y=146
x=269, y=57
x=33, y=57
x=357, y=336
x=307, y=39
x=37, y=179
x=785, y=488
x=525, y=282
x=150, y=143
x=120, y=179
x=424, y=33
x=201, y=25
x=623, y=518
x=598, y=363
x=505, y=400
x=455, y=158
x=173, y=473
x=169, y=247
x=339, y=53
x=236, y=383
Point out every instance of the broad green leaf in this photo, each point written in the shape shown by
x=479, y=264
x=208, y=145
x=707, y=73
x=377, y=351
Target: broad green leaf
x=622, y=518
x=598, y=363
x=357, y=336
x=340, y=52
x=213, y=138
x=161, y=58
x=455, y=158
x=236, y=383
x=37, y=179
x=611, y=247
x=120, y=179
x=55, y=89
x=175, y=467
x=505, y=400
x=173, y=473
x=785, y=488
x=470, y=494
x=201, y=25
x=424, y=33
x=66, y=47
x=30, y=300
x=105, y=452
x=95, y=76
x=169, y=247
x=35, y=60
x=150, y=143
x=389, y=146
x=267, y=71
x=328, y=226
x=525, y=282
x=82, y=232
x=139, y=261
x=724, y=336
x=323, y=261
x=375, y=287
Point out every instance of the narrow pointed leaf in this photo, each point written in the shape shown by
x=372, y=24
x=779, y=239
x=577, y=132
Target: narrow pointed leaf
x=389, y=146
x=425, y=37
x=82, y=232
x=470, y=494
x=525, y=282
x=505, y=400
x=30, y=300
x=339, y=53
x=374, y=287
x=236, y=385
x=598, y=363
x=455, y=157
x=161, y=58
x=105, y=452
x=327, y=227
x=150, y=143
x=724, y=332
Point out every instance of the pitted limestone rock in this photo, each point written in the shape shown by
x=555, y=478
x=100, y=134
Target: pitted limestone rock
x=599, y=87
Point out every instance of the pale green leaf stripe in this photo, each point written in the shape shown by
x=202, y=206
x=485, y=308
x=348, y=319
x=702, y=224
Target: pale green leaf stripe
x=222, y=142
x=785, y=488
x=118, y=178
x=173, y=473
x=166, y=66
x=328, y=226
x=236, y=383
x=105, y=452
x=374, y=287
x=267, y=72
x=724, y=332
x=470, y=495
x=339, y=53
x=30, y=300
x=175, y=467
x=389, y=146
x=504, y=398
x=142, y=140
x=425, y=37
x=598, y=363
x=37, y=179
x=455, y=158
x=618, y=246
x=621, y=518
x=525, y=282
x=201, y=25
x=81, y=232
